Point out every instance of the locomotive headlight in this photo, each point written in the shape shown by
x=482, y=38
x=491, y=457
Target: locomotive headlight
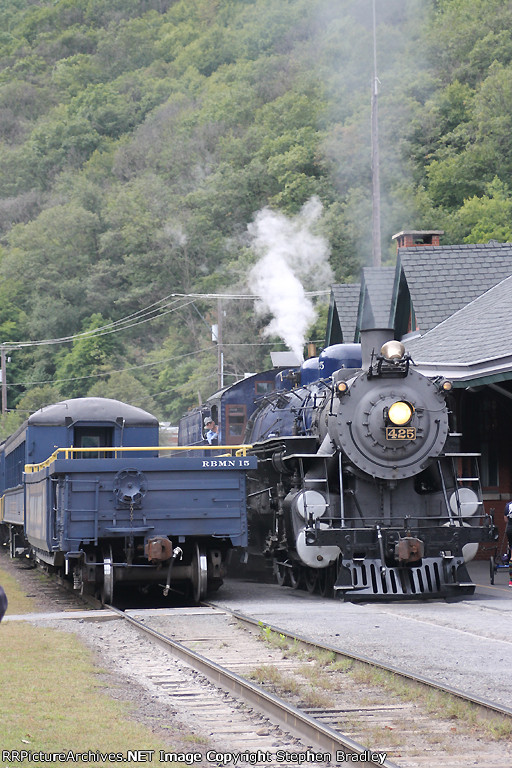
x=400, y=413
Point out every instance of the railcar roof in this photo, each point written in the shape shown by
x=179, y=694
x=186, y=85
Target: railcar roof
x=91, y=409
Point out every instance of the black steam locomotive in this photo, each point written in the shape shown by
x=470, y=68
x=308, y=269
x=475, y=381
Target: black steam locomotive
x=361, y=486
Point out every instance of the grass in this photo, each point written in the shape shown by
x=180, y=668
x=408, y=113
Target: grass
x=19, y=602
x=53, y=698
x=310, y=695
x=441, y=705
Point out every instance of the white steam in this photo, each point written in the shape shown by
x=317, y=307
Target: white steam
x=293, y=261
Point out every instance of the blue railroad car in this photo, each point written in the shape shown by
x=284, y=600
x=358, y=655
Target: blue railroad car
x=230, y=408
x=85, y=489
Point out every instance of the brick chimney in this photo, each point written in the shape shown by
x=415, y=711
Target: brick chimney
x=411, y=238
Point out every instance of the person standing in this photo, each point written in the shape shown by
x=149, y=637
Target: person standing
x=3, y=603
x=508, y=531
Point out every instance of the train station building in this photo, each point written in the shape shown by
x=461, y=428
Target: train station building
x=451, y=305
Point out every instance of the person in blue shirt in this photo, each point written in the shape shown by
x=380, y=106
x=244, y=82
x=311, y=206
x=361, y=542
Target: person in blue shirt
x=212, y=430
x=508, y=531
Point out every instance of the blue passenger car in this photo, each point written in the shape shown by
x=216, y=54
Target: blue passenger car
x=86, y=489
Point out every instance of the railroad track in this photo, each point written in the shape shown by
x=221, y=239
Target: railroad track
x=319, y=738
x=349, y=719
x=226, y=648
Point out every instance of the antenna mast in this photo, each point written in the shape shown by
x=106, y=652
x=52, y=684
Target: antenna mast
x=376, y=248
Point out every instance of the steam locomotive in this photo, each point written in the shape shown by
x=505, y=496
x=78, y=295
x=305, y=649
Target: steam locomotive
x=362, y=488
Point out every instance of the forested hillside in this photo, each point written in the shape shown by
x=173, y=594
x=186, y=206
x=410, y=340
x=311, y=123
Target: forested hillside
x=152, y=152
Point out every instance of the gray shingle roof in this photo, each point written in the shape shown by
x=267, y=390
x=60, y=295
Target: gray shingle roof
x=377, y=291
x=443, y=279
x=474, y=342
x=346, y=299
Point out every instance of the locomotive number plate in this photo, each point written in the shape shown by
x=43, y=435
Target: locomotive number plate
x=400, y=433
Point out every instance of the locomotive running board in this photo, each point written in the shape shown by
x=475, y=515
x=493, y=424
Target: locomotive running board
x=434, y=578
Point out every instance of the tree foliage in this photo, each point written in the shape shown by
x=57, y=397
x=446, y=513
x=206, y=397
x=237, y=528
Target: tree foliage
x=139, y=139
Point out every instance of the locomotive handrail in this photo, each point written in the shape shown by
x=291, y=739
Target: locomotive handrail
x=117, y=451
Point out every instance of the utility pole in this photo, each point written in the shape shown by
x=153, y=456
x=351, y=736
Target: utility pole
x=376, y=248
x=4, y=377
x=220, y=353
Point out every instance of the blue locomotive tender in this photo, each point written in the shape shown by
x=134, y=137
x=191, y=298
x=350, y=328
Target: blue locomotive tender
x=86, y=490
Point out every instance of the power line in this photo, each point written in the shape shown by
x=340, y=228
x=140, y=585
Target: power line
x=147, y=365
x=151, y=312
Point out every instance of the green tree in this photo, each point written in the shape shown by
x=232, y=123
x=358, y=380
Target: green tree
x=124, y=386
x=485, y=218
x=90, y=356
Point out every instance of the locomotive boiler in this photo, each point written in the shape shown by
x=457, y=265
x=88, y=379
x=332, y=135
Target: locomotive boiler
x=362, y=486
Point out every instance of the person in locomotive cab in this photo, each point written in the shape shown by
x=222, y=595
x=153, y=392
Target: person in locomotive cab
x=508, y=531
x=212, y=430
x=3, y=603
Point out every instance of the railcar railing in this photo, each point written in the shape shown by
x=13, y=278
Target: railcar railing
x=117, y=452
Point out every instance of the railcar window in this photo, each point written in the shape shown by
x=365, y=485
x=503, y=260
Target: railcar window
x=93, y=437
x=14, y=465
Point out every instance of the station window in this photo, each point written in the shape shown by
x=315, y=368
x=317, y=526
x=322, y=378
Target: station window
x=489, y=461
x=489, y=465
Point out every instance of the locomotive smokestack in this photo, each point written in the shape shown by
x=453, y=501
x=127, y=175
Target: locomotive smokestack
x=372, y=340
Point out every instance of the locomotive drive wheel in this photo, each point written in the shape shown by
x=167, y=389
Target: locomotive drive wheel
x=280, y=571
x=326, y=579
x=294, y=576
x=107, y=590
x=311, y=579
x=199, y=574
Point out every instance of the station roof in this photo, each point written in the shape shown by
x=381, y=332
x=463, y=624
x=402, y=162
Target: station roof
x=444, y=279
x=343, y=312
x=472, y=345
x=376, y=297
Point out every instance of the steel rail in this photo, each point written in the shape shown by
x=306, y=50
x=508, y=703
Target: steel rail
x=288, y=717
x=485, y=704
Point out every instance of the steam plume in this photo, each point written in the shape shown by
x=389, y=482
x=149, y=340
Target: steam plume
x=291, y=257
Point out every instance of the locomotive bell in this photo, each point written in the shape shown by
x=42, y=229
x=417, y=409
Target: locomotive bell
x=393, y=350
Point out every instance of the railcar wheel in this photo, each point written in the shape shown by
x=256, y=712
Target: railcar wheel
x=492, y=568
x=199, y=574
x=107, y=592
